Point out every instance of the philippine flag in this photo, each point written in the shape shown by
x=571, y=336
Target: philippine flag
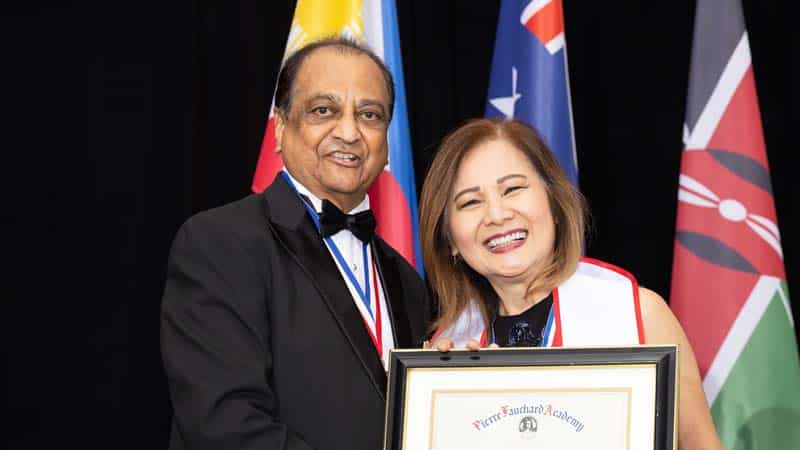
x=393, y=197
x=529, y=80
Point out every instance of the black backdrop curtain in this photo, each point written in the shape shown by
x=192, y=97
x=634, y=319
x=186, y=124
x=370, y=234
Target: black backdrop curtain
x=177, y=99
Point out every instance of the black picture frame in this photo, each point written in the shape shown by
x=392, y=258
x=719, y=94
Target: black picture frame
x=663, y=358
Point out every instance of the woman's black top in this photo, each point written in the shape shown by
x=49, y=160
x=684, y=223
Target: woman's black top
x=524, y=329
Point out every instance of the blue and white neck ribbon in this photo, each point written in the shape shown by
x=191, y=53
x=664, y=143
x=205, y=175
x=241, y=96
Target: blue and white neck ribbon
x=368, y=290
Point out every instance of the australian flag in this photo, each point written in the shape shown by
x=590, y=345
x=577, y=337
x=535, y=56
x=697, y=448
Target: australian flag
x=529, y=80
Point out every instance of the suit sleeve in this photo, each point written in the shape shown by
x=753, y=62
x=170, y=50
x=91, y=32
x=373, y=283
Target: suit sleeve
x=431, y=311
x=420, y=292
x=215, y=345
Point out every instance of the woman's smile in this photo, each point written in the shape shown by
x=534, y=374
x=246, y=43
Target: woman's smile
x=499, y=215
x=506, y=242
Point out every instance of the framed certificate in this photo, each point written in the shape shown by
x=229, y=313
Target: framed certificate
x=621, y=398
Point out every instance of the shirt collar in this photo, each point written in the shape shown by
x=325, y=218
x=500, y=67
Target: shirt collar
x=317, y=202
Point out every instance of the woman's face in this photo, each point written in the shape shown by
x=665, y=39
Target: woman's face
x=499, y=215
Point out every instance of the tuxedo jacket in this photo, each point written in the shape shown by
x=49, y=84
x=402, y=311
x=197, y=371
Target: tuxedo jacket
x=261, y=341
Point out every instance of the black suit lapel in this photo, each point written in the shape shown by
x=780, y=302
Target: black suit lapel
x=393, y=288
x=295, y=230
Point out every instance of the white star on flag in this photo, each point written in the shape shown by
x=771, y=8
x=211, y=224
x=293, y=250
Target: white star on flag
x=506, y=104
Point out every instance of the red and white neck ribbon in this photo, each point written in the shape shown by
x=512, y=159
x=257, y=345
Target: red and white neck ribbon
x=597, y=305
x=375, y=316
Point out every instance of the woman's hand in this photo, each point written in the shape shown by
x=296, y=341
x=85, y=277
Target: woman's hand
x=445, y=345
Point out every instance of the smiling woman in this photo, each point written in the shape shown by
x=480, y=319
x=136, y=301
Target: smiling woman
x=501, y=229
x=499, y=220
x=496, y=199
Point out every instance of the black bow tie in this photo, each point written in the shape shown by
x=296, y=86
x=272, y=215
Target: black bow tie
x=332, y=220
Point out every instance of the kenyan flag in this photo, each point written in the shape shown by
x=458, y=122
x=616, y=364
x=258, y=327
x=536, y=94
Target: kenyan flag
x=728, y=281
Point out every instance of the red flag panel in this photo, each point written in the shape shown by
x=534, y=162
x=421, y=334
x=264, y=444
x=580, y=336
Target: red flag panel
x=707, y=298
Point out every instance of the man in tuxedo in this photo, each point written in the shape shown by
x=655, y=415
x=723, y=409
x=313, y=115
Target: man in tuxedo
x=280, y=309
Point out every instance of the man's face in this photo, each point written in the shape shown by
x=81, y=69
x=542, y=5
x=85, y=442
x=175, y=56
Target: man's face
x=333, y=138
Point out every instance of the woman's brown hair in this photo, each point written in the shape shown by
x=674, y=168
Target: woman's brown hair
x=453, y=281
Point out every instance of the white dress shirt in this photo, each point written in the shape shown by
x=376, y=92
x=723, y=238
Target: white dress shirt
x=351, y=248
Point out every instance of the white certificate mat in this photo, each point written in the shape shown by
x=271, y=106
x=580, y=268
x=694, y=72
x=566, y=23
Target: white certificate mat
x=548, y=407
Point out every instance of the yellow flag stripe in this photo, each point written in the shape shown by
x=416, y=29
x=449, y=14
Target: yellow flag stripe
x=316, y=19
